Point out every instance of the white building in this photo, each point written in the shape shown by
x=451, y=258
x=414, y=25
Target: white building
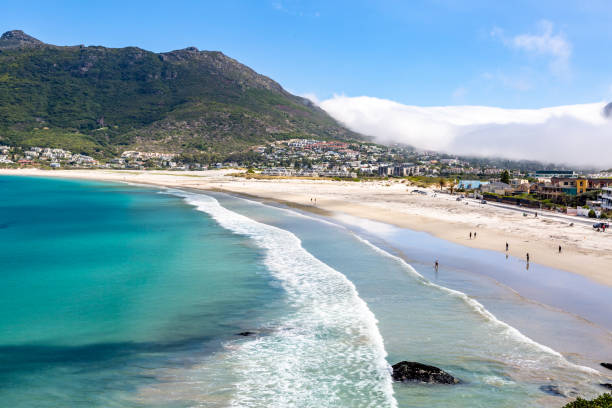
x=606, y=198
x=277, y=172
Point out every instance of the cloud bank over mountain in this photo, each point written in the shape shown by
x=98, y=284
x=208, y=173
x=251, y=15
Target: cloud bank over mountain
x=574, y=134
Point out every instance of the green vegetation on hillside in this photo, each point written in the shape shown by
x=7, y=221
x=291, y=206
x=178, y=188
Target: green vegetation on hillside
x=104, y=100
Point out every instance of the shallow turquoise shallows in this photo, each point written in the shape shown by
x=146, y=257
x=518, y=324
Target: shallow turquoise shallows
x=125, y=296
x=101, y=282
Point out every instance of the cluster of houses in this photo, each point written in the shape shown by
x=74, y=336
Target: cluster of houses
x=295, y=156
x=53, y=157
x=57, y=158
x=132, y=159
x=362, y=158
x=550, y=187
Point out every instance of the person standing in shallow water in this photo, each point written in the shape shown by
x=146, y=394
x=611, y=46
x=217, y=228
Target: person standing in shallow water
x=436, y=265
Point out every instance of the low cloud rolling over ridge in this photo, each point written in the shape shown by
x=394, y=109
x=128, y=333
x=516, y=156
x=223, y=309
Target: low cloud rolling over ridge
x=574, y=134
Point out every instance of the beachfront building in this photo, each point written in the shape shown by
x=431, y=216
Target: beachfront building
x=606, y=198
x=307, y=173
x=277, y=172
x=553, y=173
x=385, y=171
x=497, y=187
x=597, y=183
x=338, y=173
x=559, y=187
x=516, y=182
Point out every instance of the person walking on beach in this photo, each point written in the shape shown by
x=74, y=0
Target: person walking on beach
x=506, y=247
x=559, y=248
x=527, y=257
x=470, y=234
x=436, y=265
x=474, y=235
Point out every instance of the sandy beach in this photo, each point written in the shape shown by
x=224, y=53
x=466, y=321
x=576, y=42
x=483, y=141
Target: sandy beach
x=584, y=251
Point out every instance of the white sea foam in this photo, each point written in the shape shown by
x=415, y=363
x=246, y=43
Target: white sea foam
x=327, y=350
x=506, y=329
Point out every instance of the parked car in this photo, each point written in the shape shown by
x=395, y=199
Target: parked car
x=459, y=198
x=483, y=201
x=601, y=225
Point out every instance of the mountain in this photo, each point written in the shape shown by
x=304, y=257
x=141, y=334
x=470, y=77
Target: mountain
x=102, y=100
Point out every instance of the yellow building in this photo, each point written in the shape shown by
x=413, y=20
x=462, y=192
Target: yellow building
x=581, y=185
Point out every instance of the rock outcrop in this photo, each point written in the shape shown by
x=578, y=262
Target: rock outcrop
x=607, y=365
x=607, y=110
x=408, y=371
x=17, y=39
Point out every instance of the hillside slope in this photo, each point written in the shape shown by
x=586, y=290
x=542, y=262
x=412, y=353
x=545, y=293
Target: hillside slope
x=104, y=100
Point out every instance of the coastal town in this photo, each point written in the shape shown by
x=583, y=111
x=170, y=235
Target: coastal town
x=528, y=185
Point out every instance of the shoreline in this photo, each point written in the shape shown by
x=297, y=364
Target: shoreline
x=392, y=203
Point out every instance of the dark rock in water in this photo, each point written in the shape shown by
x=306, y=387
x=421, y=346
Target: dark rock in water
x=246, y=333
x=552, y=390
x=607, y=385
x=607, y=365
x=408, y=371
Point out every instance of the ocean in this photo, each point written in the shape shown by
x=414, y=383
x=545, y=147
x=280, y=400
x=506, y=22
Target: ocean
x=114, y=295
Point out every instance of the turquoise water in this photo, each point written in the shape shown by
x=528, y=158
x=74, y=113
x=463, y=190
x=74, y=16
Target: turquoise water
x=102, y=282
x=114, y=295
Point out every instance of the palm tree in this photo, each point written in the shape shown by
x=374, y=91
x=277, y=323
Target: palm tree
x=442, y=183
x=452, y=186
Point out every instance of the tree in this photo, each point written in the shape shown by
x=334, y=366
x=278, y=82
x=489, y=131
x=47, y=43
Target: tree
x=592, y=214
x=452, y=186
x=505, y=177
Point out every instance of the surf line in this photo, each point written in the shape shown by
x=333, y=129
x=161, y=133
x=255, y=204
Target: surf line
x=327, y=321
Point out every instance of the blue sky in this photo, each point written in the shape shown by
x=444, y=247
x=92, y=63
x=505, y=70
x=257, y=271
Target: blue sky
x=518, y=54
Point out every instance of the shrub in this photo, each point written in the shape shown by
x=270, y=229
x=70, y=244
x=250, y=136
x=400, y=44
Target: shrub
x=603, y=401
x=592, y=214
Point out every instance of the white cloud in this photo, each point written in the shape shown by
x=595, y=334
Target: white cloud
x=545, y=43
x=312, y=97
x=573, y=134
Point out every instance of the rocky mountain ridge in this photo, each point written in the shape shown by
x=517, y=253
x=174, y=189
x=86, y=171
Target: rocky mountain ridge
x=102, y=100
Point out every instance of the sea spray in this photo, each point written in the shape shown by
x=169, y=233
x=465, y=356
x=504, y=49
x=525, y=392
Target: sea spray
x=326, y=351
